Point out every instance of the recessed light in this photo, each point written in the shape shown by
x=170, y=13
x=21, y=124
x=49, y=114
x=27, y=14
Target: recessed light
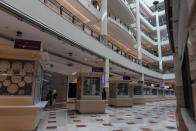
x=85, y=59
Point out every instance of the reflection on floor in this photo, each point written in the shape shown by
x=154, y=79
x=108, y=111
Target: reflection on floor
x=156, y=116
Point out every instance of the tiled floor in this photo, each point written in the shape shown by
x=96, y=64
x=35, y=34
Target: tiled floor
x=156, y=116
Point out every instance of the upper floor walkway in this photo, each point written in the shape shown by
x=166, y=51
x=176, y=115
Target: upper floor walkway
x=65, y=25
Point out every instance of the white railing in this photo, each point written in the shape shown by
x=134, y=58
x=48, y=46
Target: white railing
x=167, y=58
x=147, y=23
x=166, y=42
x=148, y=38
x=150, y=55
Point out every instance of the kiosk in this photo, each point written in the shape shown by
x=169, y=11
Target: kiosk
x=155, y=94
x=148, y=93
x=20, y=89
x=138, y=90
x=89, y=93
x=120, y=93
x=170, y=94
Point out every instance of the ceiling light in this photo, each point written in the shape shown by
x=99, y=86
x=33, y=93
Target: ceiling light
x=74, y=73
x=18, y=33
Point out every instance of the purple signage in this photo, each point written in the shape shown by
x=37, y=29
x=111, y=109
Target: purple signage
x=27, y=44
x=140, y=82
x=97, y=69
x=126, y=78
x=148, y=84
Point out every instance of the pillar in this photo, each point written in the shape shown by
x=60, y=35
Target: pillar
x=107, y=76
x=104, y=21
x=179, y=82
x=159, y=42
x=138, y=31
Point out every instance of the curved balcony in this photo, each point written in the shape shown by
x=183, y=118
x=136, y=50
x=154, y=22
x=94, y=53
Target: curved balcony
x=119, y=7
x=93, y=9
x=147, y=23
x=149, y=11
x=66, y=26
x=167, y=58
x=163, y=27
x=143, y=35
x=120, y=32
x=149, y=55
x=165, y=42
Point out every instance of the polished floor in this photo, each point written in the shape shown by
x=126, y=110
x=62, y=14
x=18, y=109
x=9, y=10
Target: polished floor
x=156, y=116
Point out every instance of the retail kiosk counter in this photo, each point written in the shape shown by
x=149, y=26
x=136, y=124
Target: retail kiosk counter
x=20, y=89
x=89, y=93
x=120, y=93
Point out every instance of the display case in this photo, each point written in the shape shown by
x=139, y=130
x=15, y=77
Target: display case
x=161, y=94
x=120, y=93
x=138, y=92
x=89, y=93
x=155, y=96
x=170, y=94
x=148, y=93
x=20, y=89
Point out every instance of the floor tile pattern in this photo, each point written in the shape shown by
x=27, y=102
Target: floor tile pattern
x=156, y=116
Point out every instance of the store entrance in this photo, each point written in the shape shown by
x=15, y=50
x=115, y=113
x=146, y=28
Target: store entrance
x=58, y=82
x=72, y=90
x=188, y=94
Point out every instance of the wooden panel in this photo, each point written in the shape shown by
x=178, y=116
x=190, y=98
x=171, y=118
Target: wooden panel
x=20, y=54
x=139, y=100
x=121, y=102
x=19, y=119
x=15, y=100
x=94, y=106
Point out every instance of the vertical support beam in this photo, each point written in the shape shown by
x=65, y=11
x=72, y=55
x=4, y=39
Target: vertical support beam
x=142, y=78
x=159, y=42
x=138, y=32
x=179, y=83
x=104, y=29
x=107, y=76
x=107, y=72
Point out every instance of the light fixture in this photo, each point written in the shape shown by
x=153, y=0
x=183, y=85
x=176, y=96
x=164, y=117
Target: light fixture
x=18, y=33
x=74, y=73
x=156, y=3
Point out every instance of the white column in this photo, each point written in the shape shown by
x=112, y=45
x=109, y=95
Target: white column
x=104, y=16
x=159, y=42
x=107, y=72
x=138, y=31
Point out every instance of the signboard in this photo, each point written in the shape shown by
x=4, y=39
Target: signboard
x=97, y=69
x=140, y=82
x=126, y=78
x=27, y=44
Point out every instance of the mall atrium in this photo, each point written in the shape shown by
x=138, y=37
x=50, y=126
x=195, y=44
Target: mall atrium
x=97, y=65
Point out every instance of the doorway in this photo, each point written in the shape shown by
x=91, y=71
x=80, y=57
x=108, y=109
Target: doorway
x=72, y=90
x=187, y=85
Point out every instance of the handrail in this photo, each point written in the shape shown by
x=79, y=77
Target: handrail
x=114, y=18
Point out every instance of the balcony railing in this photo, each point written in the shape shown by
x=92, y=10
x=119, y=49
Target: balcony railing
x=96, y=4
x=126, y=27
x=150, y=51
x=66, y=14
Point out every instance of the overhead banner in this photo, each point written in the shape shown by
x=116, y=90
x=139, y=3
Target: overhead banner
x=126, y=78
x=27, y=44
x=97, y=69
